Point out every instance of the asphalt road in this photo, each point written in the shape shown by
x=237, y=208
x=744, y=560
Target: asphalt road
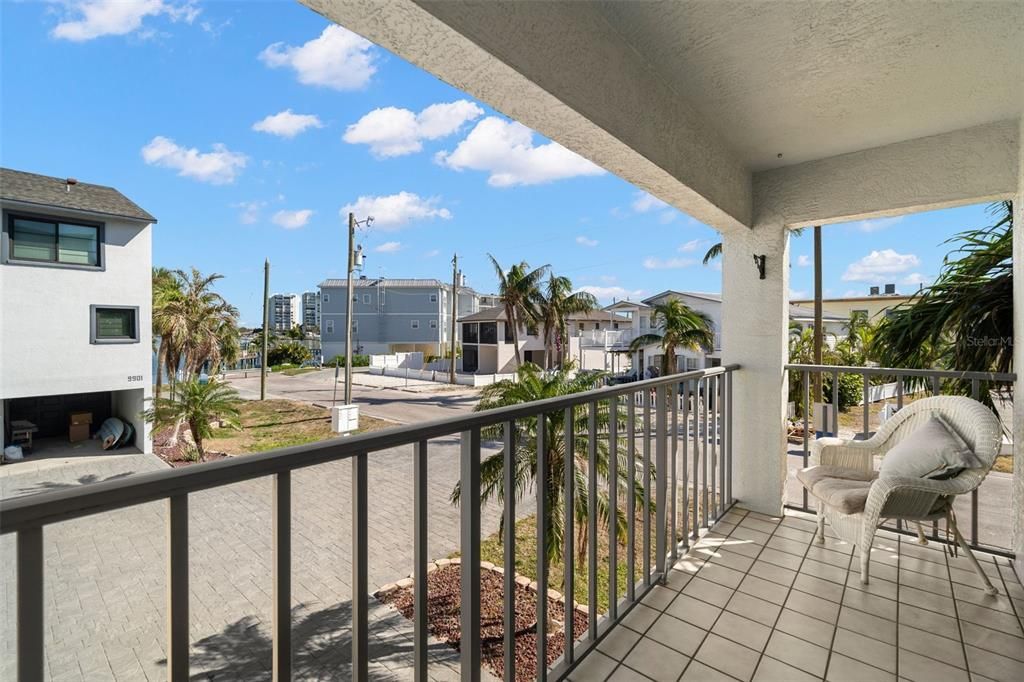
x=403, y=407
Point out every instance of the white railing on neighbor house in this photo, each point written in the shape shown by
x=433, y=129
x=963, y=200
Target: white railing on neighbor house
x=606, y=338
x=892, y=386
x=674, y=433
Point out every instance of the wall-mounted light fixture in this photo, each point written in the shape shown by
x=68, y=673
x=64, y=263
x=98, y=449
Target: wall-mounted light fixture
x=759, y=263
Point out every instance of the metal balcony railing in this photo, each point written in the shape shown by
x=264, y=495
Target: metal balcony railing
x=897, y=385
x=606, y=338
x=691, y=473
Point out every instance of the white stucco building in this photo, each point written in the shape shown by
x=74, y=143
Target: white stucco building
x=76, y=306
x=285, y=311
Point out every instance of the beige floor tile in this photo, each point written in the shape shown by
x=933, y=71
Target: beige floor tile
x=929, y=621
x=798, y=534
x=742, y=630
x=994, y=666
x=875, y=605
x=751, y=535
x=733, y=560
x=798, y=653
x=624, y=674
x=618, y=642
x=777, y=574
x=972, y=595
x=820, y=587
x=783, y=559
x=677, y=634
x=694, y=611
x=997, y=620
x=876, y=585
x=843, y=669
x=865, y=649
x=659, y=597
x=914, y=666
x=930, y=568
x=677, y=579
x=926, y=582
x=931, y=552
x=992, y=640
x=925, y=600
x=827, y=556
x=770, y=670
x=656, y=661
x=931, y=645
x=640, y=618
x=787, y=545
x=764, y=589
x=757, y=524
x=805, y=627
x=738, y=546
x=868, y=625
x=720, y=574
x=729, y=657
x=698, y=672
x=824, y=571
x=595, y=666
x=759, y=610
x=812, y=606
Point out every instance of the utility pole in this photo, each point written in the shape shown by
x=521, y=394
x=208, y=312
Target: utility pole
x=266, y=333
x=455, y=314
x=348, y=309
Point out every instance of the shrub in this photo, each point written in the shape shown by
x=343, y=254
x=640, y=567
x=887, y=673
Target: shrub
x=851, y=390
x=357, y=361
x=291, y=353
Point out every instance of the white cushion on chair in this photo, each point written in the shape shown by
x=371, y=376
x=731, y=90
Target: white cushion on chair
x=838, y=487
x=933, y=450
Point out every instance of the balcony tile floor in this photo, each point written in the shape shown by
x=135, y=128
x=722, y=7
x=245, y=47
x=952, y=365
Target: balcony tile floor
x=758, y=599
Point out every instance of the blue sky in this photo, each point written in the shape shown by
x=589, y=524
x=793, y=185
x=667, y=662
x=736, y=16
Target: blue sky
x=249, y=128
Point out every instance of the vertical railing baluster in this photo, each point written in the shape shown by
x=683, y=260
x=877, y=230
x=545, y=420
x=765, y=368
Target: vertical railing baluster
x=360, y=568
x=807, y=435
x=936, y=385
x=687, y=388
x=282, y=576
x=975, y=393
x=835, y=404
x=720, y=429
x=592, y=522
x=728, y=449
x=31, y=629
x=714, y=447
x=705, y=410
x=646, y=524
x=613, y=506
x=865, y=380
x=673, y=466
x=177, y=588
x=695, y=393
x=469, y=539
x=568, y=529
x=661, y=477
x=509, y=541
x=420, y=559
x=899, y=391
x=631, y=499
x=542, y=488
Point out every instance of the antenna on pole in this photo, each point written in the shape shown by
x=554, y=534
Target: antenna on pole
x=455, y=315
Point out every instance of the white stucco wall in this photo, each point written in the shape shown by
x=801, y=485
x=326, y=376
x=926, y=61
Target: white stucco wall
x=129, y=405
x=45, y=345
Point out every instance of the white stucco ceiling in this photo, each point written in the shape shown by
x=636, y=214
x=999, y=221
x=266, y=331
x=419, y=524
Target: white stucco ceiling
x=816, y=79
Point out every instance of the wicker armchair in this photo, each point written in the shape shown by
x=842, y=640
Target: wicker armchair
x=909, y=499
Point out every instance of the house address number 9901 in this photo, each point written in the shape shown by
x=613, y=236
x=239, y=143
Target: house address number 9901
x=132, y=378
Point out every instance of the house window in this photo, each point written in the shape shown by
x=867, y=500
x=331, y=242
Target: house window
x=488, y=332
x=508, y=333
x=52, y=241
x=415, y=324
x=470, y=332
x=581, y=326
x=326, y=298
x=330, y=326
x=366, y=299
x=433, y=298
x=433, y=324
x=691, y=364
x=114, y=324
x=355, y=326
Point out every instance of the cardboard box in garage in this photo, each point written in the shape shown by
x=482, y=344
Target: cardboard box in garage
x=78, y=432
x=79, y=418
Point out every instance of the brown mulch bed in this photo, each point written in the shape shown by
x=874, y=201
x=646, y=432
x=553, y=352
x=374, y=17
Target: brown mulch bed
x=443, y=598
x=172, y=454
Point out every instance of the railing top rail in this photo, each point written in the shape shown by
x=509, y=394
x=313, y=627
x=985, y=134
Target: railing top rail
x=893, y=371
x=62, y=505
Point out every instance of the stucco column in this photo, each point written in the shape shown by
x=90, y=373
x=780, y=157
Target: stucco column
x=755, y=320
x=1018, y=363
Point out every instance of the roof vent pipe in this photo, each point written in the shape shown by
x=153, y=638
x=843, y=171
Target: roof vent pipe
x=69, y=182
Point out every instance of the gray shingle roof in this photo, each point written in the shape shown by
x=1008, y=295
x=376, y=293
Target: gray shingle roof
x=45, y=191
x=336, y=283
x=486, y=315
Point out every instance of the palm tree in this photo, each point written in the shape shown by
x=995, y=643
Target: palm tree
x=519, y=291
x=532, y=384
x=555, y=304
x=295, y=332
x=166, y=289
x=198, y=405
x=681, y=327
x=716, y=249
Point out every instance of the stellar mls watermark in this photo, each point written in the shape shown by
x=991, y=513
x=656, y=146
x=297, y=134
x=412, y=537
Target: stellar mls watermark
x=989, y=341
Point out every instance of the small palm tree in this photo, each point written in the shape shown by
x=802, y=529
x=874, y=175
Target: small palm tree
x=519, y=291
x=197, y=404
x=532, y=384
x=681, y=327
x=555, y=304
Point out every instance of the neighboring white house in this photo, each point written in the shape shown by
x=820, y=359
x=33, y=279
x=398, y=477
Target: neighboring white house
x=640, y=312
x=76, y=306
x=285, y=311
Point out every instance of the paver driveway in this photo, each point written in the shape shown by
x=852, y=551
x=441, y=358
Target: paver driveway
x=105, y=575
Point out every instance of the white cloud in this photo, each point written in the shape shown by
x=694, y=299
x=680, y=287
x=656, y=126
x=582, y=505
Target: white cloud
x=644, y=203
x=803, y=261
x=692, y=245
x=391, y=131
x=218, y=167
x=915, y=279
x=337, y=59
x=505, y=149
x=292, y=220
x=586, y=241
x=249, y=211
x=395, y=210
x=89, y=19
x=608, y=293
x=388, y=247
x=877, y=224
x=879, y=266
x=431, y=254
x=287, y=124
x=653, y=263
x=609, y=279
x=797, y=294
